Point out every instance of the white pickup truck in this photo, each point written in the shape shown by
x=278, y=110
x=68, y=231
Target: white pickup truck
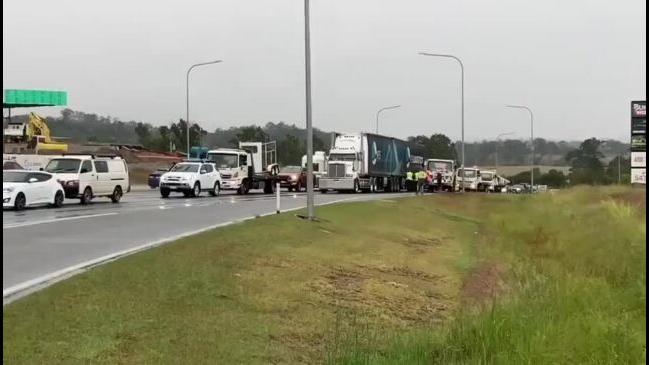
x=191, y=178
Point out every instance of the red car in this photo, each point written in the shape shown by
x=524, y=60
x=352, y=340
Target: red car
x=292, y=177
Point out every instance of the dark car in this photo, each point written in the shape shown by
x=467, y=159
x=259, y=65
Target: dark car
x=11, y=165
x=154, y=178
x=292, y=177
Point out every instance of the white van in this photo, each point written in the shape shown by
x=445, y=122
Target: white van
x=85, y=177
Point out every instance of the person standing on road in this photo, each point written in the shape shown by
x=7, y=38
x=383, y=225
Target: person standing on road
x=421, y=181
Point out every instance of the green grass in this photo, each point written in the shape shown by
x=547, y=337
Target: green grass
x=570, y=288
x=444, y=279
x=270, y=291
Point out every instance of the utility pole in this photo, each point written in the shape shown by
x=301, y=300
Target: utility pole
x=310, y=198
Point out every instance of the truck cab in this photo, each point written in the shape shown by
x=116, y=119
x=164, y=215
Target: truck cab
x=320, y=163
x=488, y=181
x=470, y=180
x=444, y=167
x=251, y=166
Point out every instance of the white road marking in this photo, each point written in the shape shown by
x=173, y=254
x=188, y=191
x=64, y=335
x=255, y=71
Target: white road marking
x=54, y=220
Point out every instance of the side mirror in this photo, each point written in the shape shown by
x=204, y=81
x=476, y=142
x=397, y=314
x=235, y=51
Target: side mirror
x=41, y=169
x=32, y=180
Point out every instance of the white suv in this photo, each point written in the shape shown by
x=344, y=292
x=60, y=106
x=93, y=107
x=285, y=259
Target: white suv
x=190, y=178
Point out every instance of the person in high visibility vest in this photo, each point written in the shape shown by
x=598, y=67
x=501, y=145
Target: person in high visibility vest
x=421, y=181
x=409, y=176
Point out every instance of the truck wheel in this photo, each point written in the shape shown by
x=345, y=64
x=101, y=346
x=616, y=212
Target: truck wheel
x=20, y=202
x=86, y=197
x=196, y=191
x=243, y=189
x=216, y=190
x=357, y=187
x=269, y=187
x=164, y=192
x=117, y=195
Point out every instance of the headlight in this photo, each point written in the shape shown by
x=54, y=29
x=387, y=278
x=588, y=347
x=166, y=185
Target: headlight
x=293, y=177
x=8, y=190
x=72, y=183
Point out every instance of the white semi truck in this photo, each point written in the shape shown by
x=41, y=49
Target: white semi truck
x=366, y=162
x=444, y=167
x=252, y=166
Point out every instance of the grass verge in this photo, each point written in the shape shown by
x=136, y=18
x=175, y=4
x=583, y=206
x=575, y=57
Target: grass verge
x=443, y=279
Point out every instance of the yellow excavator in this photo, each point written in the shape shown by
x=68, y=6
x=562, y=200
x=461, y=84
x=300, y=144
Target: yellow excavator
x=36, y=134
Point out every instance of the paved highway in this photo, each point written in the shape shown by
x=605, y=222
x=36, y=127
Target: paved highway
x=41, y=244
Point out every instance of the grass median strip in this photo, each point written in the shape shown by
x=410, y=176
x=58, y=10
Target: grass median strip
x=439, y=279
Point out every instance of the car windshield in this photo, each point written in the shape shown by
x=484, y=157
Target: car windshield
x=439, y=166
x=63, y=165
x=468, y=173
x=291, y=169
x=486, y=176
x=224, y=161
x=342, y=157
x=14, y=176
x=185, y=167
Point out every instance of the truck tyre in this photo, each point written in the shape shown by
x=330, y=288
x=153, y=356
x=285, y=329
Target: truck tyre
x=164, y=192
x=269, y=187
x=243, y=188
x=86, y=197
x=58, y=199
x=196, y=191
x=117, y=195
x=216, y=190
x=20, y=202
x=357, y=187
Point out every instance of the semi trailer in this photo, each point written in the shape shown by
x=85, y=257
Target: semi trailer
x=366, y=162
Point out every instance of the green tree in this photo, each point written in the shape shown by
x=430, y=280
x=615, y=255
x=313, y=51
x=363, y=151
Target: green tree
x=586, y=164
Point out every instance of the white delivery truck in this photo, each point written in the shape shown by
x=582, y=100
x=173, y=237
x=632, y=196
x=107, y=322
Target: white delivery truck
x=366, y=162
x=251, y=166
x=31, y=162
x=444, y=167
x=469, y=179
x=487, y=182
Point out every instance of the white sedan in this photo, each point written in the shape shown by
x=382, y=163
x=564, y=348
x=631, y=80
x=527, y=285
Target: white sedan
x=22, y=188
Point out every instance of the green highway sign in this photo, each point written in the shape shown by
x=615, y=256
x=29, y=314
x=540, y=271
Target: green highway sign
x=30, y=98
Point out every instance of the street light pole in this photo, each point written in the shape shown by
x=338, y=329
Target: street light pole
x=497, y=143
x=462, y=68
x=531, y=139
x=310, y=203
x=187, y=95
x=379, y=112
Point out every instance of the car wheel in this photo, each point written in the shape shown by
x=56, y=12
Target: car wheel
x=117, y=195
x=164, y=192
x=86, y=197
x=196, y=191
x=58, y=199
x=20, y=202
x=216, y=190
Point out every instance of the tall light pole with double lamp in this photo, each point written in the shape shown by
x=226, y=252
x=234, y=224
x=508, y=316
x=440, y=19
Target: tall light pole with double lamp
x=497, y=144
x=462, y=69
x=531, y=139
x=310, y=203
x=382, y=110
x=187, y=95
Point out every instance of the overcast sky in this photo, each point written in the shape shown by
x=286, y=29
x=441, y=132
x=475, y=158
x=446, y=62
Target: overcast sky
x=577, y=64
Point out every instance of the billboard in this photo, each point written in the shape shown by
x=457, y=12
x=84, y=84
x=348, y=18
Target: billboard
x=638, y=109
x=638, y=159
x=17, y=98
x=638, y=142
x=639, y=176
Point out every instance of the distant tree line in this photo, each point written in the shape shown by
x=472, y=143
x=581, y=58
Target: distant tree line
x=83, y=127
x=587, y=166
